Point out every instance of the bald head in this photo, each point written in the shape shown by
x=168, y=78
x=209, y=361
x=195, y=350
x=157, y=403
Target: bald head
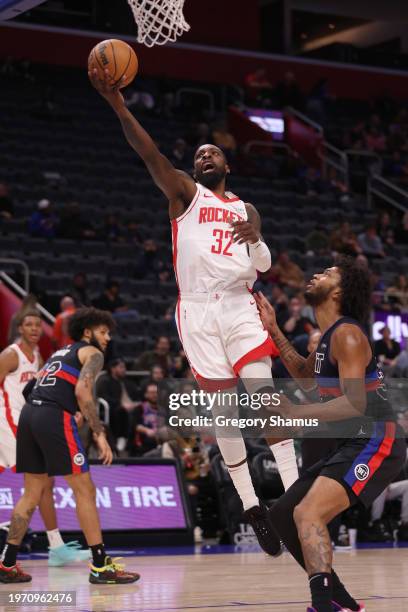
x=67, y=302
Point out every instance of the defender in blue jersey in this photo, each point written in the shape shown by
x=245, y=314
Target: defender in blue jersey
x=48, y=443
x=371, y=447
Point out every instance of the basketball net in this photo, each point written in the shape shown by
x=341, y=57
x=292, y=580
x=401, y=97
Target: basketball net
x=158, y=21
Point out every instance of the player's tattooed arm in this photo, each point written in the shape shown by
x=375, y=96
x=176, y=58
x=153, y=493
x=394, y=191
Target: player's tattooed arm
x=300, y=368
x=84, y=389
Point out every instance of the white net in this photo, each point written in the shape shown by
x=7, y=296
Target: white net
x=158, y=21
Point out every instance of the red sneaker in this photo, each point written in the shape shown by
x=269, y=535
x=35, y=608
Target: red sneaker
x=13, y=574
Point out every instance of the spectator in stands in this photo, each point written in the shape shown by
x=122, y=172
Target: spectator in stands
x=293, y=323
x=180, y=155
x=401, y=232
x=385, y=231
x=144, y=424
x=387, y=349
x=396, y=490
x=258, y=87
x=73, y=225
x=378, y=290
x=223, y=139
x=120, y=394
x=44, y=222
x=397, y=295
x=180, y=366
x=288, y=92
x=140, y=100
x=401, y=367
x=112, y=229
x=375, y=139
x=344, y=241
x=311, y=184
x=60, y=335
x=317, y=242
x=110, y=299
x=6, y=203
x=200, y=135
x=148, y=263
x=370, y=243
x=288, y=273
x=79, y=290
x=160, y=355
x=132, y=232
x=194, y=459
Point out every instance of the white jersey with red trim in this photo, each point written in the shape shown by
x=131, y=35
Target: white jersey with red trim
x=206, y=260
x=11, y=395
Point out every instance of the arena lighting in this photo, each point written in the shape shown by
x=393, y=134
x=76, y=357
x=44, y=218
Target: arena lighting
x=270, y=121
x=13, y=8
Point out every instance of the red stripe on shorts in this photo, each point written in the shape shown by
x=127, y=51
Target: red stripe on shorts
x=7, y=406
x=376, y=460
x=71, y=443
x=266, y=349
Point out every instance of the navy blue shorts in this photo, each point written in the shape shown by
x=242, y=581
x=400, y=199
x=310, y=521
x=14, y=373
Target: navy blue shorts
x=366, y=466
x=48, y=442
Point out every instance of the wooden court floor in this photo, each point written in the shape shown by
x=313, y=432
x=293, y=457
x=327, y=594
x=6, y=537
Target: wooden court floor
x=245, y=581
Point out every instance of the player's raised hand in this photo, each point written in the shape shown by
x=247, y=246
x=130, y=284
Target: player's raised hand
x=244, y=231
x=107, y=87
x=105, y=451
x=266, y=311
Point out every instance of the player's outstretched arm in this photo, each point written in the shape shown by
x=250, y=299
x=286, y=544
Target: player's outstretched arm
x=300, y=368
x=8, y=362
x=92, y=360
x=178, y=186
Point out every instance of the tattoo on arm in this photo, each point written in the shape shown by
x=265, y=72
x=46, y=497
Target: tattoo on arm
x=88, y=375
x=91, y=369
x=88, y=409
x=19, y=525
x=298, y=366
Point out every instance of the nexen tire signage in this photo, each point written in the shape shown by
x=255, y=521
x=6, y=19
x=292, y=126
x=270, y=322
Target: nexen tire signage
x=127, y=496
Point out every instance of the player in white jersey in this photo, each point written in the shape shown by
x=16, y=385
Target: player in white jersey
x=19, y=363
x=217, y=250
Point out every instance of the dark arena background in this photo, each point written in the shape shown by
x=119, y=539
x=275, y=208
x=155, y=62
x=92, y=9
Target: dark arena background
x=308, y=100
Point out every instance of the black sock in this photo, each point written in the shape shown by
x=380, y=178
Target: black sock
x=321, y=590
x=9, y=554
x=98, y=555
x=341, y=596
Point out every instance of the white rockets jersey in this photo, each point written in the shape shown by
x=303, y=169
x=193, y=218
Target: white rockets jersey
x=11, y=390
x=204, y=256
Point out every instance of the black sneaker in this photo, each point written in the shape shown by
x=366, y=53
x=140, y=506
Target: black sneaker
x=403, y=532
x=111, y=573
x=260, y=522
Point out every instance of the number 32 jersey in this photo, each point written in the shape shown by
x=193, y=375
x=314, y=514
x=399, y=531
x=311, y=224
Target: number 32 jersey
x=57, y=379
x=205, y=258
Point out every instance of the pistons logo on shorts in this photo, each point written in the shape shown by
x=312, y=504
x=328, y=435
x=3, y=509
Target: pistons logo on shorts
x=79, y=459
x=361, y=471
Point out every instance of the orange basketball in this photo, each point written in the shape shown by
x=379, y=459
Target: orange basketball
x=117, y=57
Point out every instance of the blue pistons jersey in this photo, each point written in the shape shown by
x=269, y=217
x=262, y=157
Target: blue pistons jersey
x=328, y=380
x=57, y=380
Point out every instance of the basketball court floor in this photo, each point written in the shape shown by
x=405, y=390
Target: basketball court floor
x=212, y=580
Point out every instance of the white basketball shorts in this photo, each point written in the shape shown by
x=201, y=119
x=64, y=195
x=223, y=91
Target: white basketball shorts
x=220, y=333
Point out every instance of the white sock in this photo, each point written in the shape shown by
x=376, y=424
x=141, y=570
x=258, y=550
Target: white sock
x=285, y=457
x=54, y=538
x=233, y=452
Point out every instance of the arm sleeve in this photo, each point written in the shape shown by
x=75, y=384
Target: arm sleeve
x=260, y=256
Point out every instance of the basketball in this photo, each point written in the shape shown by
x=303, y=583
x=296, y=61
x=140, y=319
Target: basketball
x=117, y=57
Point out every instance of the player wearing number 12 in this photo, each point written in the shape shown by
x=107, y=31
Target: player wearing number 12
x=217, y=251
x=48, y=443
